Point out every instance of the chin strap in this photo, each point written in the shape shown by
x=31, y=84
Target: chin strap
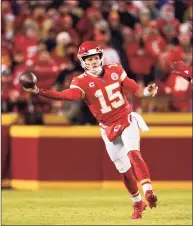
x=37, y=91
x=95, y=71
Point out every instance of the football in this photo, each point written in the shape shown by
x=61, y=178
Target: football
x=27, y=79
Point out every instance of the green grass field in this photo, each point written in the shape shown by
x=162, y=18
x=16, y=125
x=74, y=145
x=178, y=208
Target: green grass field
x=92, y=207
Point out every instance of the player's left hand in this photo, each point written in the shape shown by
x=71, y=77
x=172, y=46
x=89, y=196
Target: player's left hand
x=152, y=89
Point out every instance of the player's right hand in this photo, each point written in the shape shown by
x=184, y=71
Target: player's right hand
x=32, y=90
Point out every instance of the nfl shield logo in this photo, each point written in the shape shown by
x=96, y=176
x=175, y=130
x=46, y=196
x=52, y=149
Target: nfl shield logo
x=114, y=76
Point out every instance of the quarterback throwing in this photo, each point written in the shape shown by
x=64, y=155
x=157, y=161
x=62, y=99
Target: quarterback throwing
x=103, y=88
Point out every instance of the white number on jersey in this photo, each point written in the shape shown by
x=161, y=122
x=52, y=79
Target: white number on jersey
x=112, y=96
x=181, y=84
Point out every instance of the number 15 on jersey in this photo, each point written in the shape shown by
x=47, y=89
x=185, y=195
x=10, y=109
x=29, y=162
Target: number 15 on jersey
x=111, y=96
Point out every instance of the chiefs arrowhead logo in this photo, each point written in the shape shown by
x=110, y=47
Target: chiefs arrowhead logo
x=116, y=128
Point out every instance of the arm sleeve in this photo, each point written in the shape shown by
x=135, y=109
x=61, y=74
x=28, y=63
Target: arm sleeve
x=76, y=84
x=130, y=85
x=67, y=94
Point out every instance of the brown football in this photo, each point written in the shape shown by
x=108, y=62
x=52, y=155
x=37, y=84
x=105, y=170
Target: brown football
x=27, y=79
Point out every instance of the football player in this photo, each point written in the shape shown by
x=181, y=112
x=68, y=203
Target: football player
x=103, y=88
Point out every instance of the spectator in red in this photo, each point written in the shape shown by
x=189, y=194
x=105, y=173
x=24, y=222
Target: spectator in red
x=66, y=25
x=92, y=19
x=182, y=52
x=142, y=26
x=59, y=53
x=27, y=42
x=167, y=23
x=141, y=52
x=46, y=69
x=155, y=44
x=5, y=8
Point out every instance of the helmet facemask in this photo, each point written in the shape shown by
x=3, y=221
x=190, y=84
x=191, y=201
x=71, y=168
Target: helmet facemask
x=87, y=68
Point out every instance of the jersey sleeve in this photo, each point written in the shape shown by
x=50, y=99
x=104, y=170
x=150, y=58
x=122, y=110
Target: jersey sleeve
x=121, y=72
x=76, y=84
x=130, y=85
x=67, y=94
x=117, y=69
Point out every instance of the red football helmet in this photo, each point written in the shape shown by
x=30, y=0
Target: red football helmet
x=89, y=48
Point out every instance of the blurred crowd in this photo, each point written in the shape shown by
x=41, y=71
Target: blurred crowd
x=144, y=36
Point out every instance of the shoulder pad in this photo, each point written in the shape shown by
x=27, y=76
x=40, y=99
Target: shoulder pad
x=113, y=65
x=81, y=76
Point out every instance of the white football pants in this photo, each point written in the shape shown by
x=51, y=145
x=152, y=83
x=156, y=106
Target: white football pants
x=127, y=141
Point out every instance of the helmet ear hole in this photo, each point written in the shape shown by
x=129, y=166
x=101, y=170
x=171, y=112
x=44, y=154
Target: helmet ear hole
x=84, y=58
x=101, y=55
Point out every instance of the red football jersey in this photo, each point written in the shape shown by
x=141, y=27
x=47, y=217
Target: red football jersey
x=104, y=95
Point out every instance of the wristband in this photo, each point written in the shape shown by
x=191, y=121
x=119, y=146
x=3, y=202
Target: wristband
x=146, y=92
